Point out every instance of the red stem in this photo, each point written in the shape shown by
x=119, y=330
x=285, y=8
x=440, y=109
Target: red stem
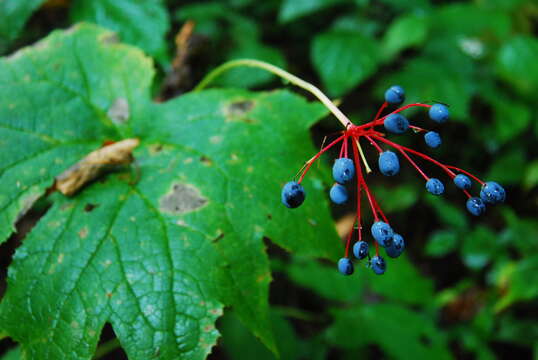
x=466, y=173
x=361, y=179
x=380, y=121
x=380, y=110
x=318, y=155
x=426, y=157
x=374, y=144
x=417, y=129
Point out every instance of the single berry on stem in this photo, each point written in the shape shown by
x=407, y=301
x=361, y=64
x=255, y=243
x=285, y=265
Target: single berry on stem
x=293, y=194
x=345, y=266
x=395, y=95
x=389, y=164
x=435, y=186
x=360, y=249
x=433, y=139
x=396, y=123
x=492, y=193
x=439, y=113
x=397, y=247
x=343, y=170
x=378, y=265
x=338, y=194
x=462, y=182
x=382, y=233
x=476, y=206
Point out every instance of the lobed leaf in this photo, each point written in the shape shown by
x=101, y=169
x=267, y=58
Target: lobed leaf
x=157, y=251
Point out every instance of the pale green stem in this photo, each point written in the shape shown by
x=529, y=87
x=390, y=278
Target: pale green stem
x=286, y=76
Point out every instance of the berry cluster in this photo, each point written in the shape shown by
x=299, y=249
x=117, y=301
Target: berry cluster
x=346, y=169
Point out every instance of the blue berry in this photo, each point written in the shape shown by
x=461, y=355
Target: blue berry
x=432, y=139
x=462, y=182
x=395, y=95
x=360, y=249
x=382, y=233
x=435, y=186
x=293, y=194
x=476, y=206
x=338, y=194
x=389, y=164
x=343, y=170
x=492, y=193
x=439, y=113
x=345, y=266
x=397, y=247
x=396, y=123
x=378, y=265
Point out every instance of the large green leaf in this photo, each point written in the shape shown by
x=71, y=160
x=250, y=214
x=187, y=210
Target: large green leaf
x=143, y=23
x=157, y=255
x=516, y=63
x=343, y=59
x=13, y=16
x=406, y=31
x=400, y=332
x=293, y=9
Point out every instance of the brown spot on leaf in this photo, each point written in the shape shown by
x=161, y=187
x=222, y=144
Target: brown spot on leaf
x=83, y=233
x=89, y=207
x=110, y=38
x=119, y=111
x=219, y=236
x=155, y=149
x=238, y=111
x=206, y=161
x=183, y=198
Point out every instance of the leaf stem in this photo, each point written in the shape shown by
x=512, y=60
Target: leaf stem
x=343, y=119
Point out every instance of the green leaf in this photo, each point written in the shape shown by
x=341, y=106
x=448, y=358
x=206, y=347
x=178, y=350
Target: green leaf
x=411, y=4
x=156, y=255
x=402, y=282
x=516, y=64
x=531, y=175
x=141, y=23
x=441, y=243
x=398, y=331
x=344, y=59
x=13, y=354
x=325, y=280
x=478, y=248
x=210, y=16
x=240, y=344
x=404, y=32
x=471, y=21
x=249, y=77
x=511, y=118
x=397, y=198
x=13, y=16
x=519, y=282
x=508, y=167
x=455, y=216
x=520, y=232
x=293, y=9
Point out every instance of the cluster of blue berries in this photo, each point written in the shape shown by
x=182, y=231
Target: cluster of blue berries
x=345, y=170
x=393, y=243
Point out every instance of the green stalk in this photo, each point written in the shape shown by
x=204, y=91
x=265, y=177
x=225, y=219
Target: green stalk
x=215, y=73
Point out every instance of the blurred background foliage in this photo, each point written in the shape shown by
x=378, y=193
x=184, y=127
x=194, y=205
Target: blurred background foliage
x=466, y=288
